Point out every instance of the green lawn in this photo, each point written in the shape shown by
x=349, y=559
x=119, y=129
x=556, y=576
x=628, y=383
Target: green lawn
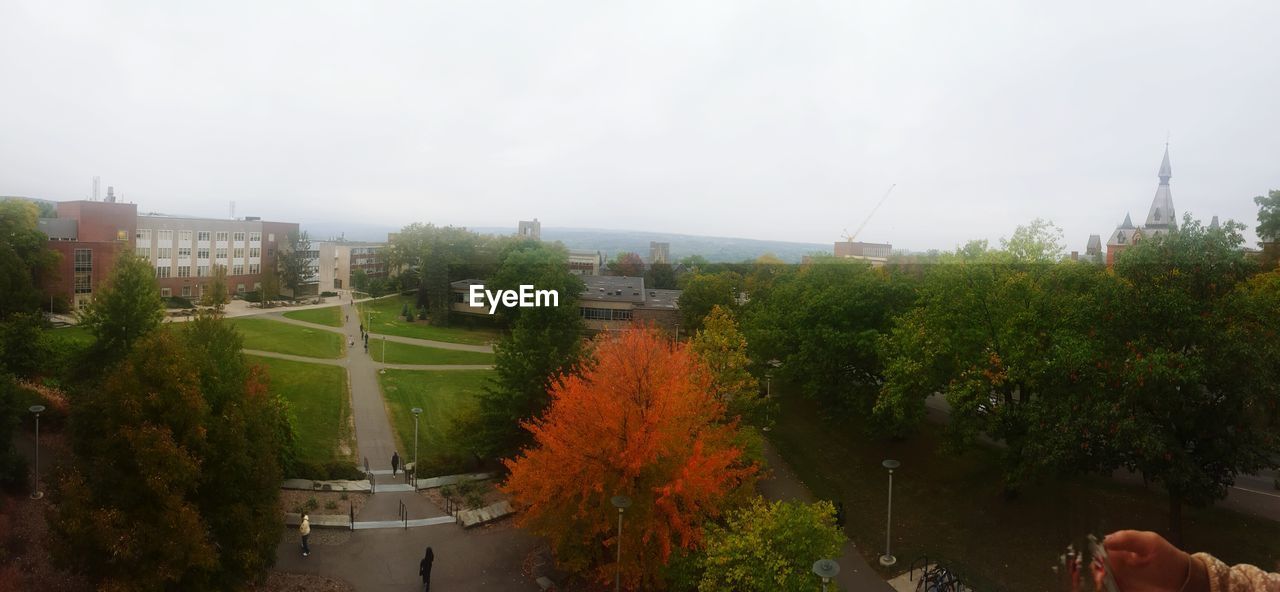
x=952, y=506
x=386, y=319
x=329, y=315
x=318, y=404
x=442, y=395
x=72, y=336
x=275, y=336
x=403, y=353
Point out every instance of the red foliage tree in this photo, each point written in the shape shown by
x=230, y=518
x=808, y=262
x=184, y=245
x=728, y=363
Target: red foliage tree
x=639, y=420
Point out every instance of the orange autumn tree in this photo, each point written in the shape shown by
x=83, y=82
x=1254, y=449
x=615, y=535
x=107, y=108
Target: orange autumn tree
x=638, y=420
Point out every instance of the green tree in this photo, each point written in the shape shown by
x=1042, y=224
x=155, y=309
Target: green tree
x=13, y=468
x=544, y=343
x=360, y=280
x=1198, y=378
x=295, y=262
x=124, y=310
x=821, y=321
x=704, y=291
x=723, y=351
x=26, y=262
x=125, y=514
x=439, y=255
x=661, y=276
x=1037, y=242
x=1268, y=216
x=768, y=547
x=216, y=293
x=270, y=286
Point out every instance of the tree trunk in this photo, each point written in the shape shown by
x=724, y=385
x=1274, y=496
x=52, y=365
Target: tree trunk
x=1175, y=519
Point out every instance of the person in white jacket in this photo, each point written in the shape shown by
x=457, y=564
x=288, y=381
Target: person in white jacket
x=304, y=529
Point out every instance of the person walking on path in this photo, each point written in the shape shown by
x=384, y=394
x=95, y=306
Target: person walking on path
x=304, y=529
x=424, y=569
x=395, y=462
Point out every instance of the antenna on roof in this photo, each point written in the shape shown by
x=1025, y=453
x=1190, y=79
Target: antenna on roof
x=233, y=209
x=96, y=181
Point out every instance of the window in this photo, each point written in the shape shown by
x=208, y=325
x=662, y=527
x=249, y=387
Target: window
x=184, y=235
x=255, y=237
x=84, y=271
x=166, y=292
x=255, y=252
x=162, y=272
x=202, y=253
x=255, y=269
x=144, y=234
x=202, y=271
x=221, y=253
x=239, y=288
x=271, y=237
x=144, y=252
x=184, y=252
x=222, y=237
x=257, y=286
x=184, y=271
x=164, y=235
x=186, y=291
x=605, y=314
x=238, y=237
x=203, y=235
x=237, y=270
x=239, y=253
x=164, y=252
x=271, y=251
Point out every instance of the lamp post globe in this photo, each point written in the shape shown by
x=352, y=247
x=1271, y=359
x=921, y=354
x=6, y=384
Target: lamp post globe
x=827, y=569
x=888, y=559
x=35, y=476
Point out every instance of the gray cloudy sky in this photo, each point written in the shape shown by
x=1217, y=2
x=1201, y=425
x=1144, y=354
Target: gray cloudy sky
x=773, y=120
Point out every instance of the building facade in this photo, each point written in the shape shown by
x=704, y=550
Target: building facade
x=874, y=253
x=608, y=303
x=659, y=252
x=338, y=260
x=531, y=229
x=92, y=235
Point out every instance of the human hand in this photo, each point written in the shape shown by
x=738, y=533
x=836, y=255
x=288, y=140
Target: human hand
x=1143, y=561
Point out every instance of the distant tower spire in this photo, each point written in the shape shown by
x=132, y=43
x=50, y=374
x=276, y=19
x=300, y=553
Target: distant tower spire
x=1161, y=216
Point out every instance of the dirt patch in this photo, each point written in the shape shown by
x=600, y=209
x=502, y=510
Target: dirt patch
x=278, y=581
x=292, y=499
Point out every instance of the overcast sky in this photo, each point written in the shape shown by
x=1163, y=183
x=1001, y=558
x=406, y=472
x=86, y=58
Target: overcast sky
x=772, y=120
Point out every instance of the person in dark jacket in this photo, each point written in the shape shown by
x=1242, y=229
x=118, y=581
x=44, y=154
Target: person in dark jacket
x=395, y=462
x=424, y=569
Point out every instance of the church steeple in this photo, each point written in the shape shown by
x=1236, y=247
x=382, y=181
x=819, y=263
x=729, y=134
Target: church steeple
x=1162, y=216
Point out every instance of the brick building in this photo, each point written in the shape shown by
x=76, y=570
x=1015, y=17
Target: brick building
x=90, y=236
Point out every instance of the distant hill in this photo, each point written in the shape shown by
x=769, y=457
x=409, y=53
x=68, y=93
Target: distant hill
x=713, y=248
x=610, y=242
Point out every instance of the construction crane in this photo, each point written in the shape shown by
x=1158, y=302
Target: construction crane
x=849, y=237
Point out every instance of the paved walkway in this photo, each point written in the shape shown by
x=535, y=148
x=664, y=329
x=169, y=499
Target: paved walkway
x=783, y=484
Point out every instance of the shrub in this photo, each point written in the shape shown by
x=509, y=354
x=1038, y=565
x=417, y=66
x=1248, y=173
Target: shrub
x=475, y=500
x=343, y=496
x=178, y=302
x=340, y=470
x=328, y=294
x=254, y=296
x=311, y=505
x=331, y=505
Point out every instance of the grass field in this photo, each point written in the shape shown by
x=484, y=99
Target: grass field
x=386, y=319
x=319, y=405
x=442, y=395
x=951, y=506
x=275, y=336
x=403, y=353
x=329, y=315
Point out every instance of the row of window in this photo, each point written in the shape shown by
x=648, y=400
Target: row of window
x=605, y=314
x=186, y=290
x=201, y=253
x=144, y=234
x=203, y=270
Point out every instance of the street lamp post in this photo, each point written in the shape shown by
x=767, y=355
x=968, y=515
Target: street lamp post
x=768, y=398
x=37, y=494
x=416, y=412
x=888, y=559
x=621, y=502
x=827, y=569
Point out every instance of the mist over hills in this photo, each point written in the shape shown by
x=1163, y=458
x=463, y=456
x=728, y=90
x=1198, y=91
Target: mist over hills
x=609, y=242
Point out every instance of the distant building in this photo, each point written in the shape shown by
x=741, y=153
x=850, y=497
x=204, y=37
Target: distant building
x=874, y=253
x=1092, y=251
x=531, y=229
x=659, y=252
x=1161, y=217
x=90, y=236
x=338, y=260
x=584, y=262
